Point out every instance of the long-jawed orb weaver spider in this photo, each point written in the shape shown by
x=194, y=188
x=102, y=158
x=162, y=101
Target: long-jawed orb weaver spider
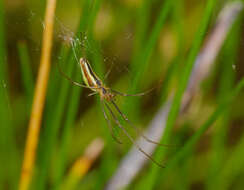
x=107, y=96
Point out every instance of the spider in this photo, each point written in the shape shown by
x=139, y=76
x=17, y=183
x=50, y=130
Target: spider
x=107, y=98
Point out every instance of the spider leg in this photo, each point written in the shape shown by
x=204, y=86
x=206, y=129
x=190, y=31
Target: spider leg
x=109, y=124
x=138, y=94
x=70, y=80
x=109, y=71
x=93, y=93
x=138, y=130
x=131, y=139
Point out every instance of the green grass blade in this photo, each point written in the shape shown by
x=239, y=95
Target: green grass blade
x=73, y=104
x=55, y=78
x=151, y=43
x=54, y=122
x=26, y=72
x=232, y=168
x=141, y=62
x=65, y=139
x=8, y=151
x=141, y=29
x=190, y=144
x=3, y=55
x=177, y=23
x=49, y=137
x=226, y=82
x=153, y=174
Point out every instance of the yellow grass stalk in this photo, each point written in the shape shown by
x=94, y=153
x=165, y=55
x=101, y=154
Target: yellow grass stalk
x=83, y=164
x=39, y=98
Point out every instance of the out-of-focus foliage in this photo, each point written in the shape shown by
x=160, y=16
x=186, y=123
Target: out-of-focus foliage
x=145, y=43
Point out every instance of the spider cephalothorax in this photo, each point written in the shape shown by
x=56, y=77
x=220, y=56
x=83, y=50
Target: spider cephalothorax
x=106, y=94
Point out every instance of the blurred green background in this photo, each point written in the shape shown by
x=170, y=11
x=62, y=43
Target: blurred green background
x=146, y=43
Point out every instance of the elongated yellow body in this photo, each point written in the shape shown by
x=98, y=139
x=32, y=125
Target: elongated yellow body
x=89, y=77
x=92, y=81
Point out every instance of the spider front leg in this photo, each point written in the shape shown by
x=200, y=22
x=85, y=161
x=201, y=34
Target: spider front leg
x=137, y=94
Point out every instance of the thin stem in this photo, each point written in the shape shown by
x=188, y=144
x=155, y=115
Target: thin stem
x=39, y=99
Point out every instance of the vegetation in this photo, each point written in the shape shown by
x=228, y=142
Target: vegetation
x=145, y=44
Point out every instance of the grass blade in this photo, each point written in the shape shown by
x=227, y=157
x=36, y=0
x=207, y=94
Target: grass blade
x=226, y=83
x=188, y=147
x=153, y=174
x=141, y=62
x=8, y=151
x=50, y=134
x=27, y=75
